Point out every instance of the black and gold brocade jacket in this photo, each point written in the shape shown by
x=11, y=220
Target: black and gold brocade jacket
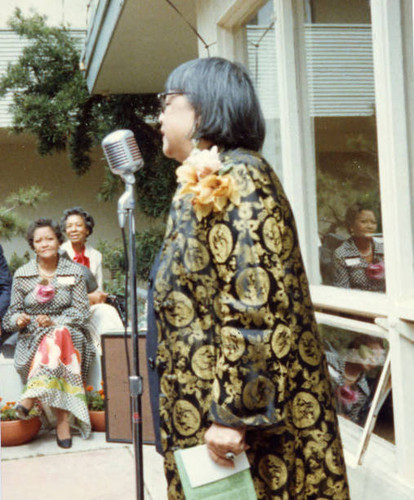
x=237, y=341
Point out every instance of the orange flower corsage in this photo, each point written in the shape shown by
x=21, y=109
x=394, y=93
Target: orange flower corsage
x=204, y=176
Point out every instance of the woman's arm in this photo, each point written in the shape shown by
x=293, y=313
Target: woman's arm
x=99, y=272
x=96, y=265
x=254, y=252
x=262, y=302
x=5, y=284
x=16, y=308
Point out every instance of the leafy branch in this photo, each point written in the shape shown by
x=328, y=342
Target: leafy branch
x=51, y=101
x=11, y=223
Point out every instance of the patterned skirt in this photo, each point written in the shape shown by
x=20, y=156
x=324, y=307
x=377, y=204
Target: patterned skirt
x=54, y=376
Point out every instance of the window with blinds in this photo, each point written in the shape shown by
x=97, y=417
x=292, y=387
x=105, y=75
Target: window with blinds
x=339, y=67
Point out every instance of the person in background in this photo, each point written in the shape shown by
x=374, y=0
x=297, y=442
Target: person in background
x=359, y=261
x=235, y=357
x=78, y=226
x=50, y=310
x=5, y=286
x=354, y=375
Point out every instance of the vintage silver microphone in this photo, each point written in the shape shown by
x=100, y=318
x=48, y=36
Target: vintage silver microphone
x=124, y=158
x=122, y=152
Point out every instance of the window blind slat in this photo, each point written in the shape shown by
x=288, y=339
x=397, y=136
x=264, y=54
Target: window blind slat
x=339, y=66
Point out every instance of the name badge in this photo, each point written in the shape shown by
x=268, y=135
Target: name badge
x=66, y=280
x=352, y=261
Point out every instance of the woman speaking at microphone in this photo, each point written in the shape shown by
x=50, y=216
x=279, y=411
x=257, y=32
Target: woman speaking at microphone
x=232, y=335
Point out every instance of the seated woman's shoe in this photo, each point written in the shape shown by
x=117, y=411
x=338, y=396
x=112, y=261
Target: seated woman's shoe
x=64, y=443
x=22, y=412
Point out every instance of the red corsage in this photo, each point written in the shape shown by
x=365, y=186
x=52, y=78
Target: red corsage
x=376, y=270
x=346, y=395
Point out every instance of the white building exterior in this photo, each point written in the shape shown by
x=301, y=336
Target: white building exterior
x=336, y=83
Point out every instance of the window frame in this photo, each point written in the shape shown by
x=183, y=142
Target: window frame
x=394, y=172
x=376, y=329
x=395, y=308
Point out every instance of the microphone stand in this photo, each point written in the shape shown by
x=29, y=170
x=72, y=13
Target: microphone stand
x=126, y=206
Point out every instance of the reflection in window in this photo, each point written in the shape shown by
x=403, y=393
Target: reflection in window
x=340, y=75
x=358, y=262
x=261, y=60
x=355, y=363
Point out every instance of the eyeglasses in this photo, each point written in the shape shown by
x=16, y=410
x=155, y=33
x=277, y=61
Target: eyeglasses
x=162, y=97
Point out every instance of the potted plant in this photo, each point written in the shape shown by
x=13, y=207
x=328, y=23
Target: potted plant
x=15, y=431
x=96, y=406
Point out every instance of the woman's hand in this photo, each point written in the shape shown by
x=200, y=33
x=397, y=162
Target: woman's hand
x=97, y=297
x=44, y=320
x=22, y=321
x=221, y=440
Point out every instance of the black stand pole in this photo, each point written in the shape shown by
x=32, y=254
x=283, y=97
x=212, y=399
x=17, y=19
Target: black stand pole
x=126, y=205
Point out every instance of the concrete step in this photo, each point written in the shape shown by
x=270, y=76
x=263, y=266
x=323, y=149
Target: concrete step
x=91, y=469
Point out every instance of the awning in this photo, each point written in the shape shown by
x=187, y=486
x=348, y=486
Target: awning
x=133, y=45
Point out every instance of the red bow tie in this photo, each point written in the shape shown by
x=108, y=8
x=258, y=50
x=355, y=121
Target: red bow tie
x=81, y=258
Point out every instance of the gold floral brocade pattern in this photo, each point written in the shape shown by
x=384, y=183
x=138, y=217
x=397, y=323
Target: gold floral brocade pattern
x=237, y=340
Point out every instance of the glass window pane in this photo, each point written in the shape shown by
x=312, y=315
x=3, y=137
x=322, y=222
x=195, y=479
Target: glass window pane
x=261, y=59
x=355, y=364
x=340, y=75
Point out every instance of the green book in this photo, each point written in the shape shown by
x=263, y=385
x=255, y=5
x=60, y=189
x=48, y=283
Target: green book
x=203, y=479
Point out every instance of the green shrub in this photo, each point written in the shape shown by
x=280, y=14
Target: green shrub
x=147, y=243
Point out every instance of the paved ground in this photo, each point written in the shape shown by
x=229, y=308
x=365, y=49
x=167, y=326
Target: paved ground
x=92, y=469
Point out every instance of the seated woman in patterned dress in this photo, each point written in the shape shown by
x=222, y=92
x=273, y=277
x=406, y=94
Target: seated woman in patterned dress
x=50, y=310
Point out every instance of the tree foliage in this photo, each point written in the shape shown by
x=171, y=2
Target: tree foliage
x=51, y=101
x=147, y=244
x=11, y=222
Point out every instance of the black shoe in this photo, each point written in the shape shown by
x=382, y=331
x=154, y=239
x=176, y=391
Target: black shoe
x=22, y=412
x=64, y=443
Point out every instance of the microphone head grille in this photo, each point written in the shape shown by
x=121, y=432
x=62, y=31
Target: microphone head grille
x=122, y=152
x=133, y=148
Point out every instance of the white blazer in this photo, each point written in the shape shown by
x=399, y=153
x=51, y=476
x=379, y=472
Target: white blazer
x=95, y=260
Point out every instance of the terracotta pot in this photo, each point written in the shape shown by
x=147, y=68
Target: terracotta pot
x=15, y=432
x=98, y=420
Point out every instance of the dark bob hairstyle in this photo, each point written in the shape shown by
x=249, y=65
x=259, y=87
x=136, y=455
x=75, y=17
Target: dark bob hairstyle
x=43, y=222
x=354, y=210
x=87, y=218
x=227, y=109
